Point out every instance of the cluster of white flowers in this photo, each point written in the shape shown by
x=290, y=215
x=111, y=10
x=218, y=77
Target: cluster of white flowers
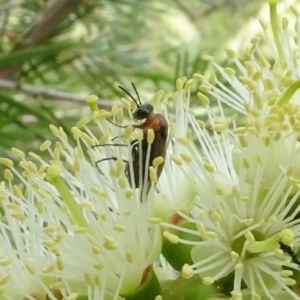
x=74, y=227
x=246, y=175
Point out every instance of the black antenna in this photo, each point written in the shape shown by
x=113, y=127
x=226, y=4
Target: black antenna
x=109, y=158
x=137, y=104
x=137, y=94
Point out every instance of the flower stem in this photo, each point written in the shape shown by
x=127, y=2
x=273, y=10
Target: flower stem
x=53, y=173
x=274, y=26
x=288, y=94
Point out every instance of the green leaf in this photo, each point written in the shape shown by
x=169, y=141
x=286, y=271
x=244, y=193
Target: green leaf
x=189, y=289
x=25, y=55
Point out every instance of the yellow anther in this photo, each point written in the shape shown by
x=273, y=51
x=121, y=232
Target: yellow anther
x=110, y=243
x=230, y=53
x=234, y=255
x=72, y=296
x=204, y=88
x=120, y=167
x=150, y=136
x=87, y=139
x=4, y=279
x=96, y=250
x=8, y=175
x=250, y=237
x=129, y=256
x=157, y=161
x=129, y=194
x=198, y=77
x=48, y=229
x=219, y=127
x=240, y=130
x=18, y=153
x=208, y=280
x=98, y=266
x=204, y=99
x=140, y=136
x=179, y=84
x=183, y=140
x=13, y=206
x=19, y=216
x=189, y=83
x=246, y=162
x=187, y=272
x=119, y=228
x=290, y=282
x=211, y=234
x=230, y=71
x=257, y=75
x=82, y=122
x=286, y=273
x=122, y=182
x=34, y=156
x=208, y=167
x=81, y=230
x=98, y=192
x=76, y=133
x=174, y=239
x=45, y=145
x=48, y=269
x=6, y=162
x=263, y=24
x=103, y=114
x=29, y=266
x=243, y=141
x=153, y=174
x=176, y=159
x=59, y=263
x=114, y=109
x=127, y=133
x=208, y=57
x=154, y=221
x=54, y=130
x=186, y=157
x=49, y=243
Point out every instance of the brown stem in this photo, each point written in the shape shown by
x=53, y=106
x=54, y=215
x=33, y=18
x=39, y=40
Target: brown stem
x=51, y=18
x=50, y=93
x=44, y=26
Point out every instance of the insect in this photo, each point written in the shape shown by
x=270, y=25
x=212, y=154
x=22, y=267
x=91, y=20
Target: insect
x=288, y=250
x=159, y=125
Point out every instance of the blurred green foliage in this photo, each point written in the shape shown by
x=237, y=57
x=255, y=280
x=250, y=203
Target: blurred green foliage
x=84, y=47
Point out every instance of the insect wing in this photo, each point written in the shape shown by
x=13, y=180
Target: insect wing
x=138, y=170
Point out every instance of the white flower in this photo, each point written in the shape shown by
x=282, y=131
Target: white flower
x=175, y=187
x=24, y=261
x=246, y=176
x=98, y=230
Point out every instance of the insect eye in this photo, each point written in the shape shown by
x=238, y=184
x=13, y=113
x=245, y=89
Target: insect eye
x=143, y=111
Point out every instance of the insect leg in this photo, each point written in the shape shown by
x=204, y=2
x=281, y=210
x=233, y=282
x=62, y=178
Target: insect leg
x=288, y=250
x=110, y=158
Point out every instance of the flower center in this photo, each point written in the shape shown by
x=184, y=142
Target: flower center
x=238, y=244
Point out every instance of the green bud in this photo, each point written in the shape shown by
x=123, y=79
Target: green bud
x=179, y=254
x=148, y=289
x=189, y=289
